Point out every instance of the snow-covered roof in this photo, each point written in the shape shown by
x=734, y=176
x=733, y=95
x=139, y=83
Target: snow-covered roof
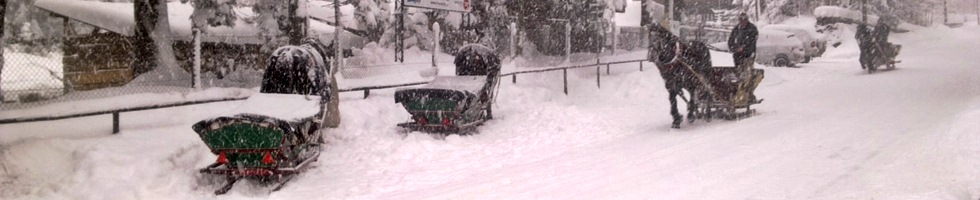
x=115, y=17
x=119, y=18
x=839, y=12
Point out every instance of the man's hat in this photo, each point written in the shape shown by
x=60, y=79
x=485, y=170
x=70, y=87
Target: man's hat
x=743, y=16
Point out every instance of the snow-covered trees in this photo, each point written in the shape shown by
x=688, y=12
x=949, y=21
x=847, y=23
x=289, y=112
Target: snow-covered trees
x=282, y=22
x=774, y=11
x=373, y=17
x=490, y=23
x=213, y=13
x=586, y=17
x=29, y=29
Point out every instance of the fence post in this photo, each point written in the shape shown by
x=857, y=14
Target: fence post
x=367, y=92
x=196, y=80
x=597, y=76
x=607, y=69
x=568, y=42
x=115, y=122
x=513, y=78
x=435, y=44
x=641, y=66
x=564, y=73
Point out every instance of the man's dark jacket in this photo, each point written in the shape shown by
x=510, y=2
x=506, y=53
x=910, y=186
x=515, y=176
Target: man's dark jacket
x=745, y=38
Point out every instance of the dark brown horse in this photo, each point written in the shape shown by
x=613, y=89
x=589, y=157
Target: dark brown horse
x=678, y=62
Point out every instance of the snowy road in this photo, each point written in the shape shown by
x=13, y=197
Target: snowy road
x=827, y=130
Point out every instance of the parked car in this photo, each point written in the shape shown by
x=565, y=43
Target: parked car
x=775, y=48
x=815, y=45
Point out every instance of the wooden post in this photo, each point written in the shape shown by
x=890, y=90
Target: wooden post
x=3, y=9
x=367, y=92
x=196, y=59
x=568, y=42
x=564, y=73
x=513, y=78
x=115, y=123
x=607, y=69
x=597, y=77
x=945, y=13
x=641, y=66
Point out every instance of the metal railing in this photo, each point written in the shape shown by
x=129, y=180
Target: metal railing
x=367, y=92
x=513, y=75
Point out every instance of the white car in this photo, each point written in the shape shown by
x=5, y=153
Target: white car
x=775, y=48
x=815, y=45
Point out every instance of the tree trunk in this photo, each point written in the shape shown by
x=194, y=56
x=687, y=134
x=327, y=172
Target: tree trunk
x=3, y=7
x=152, y=32
x=146, y=19
x=296, y=27
x=163, y=37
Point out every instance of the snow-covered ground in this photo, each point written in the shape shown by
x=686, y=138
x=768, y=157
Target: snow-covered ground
x=31, y=74
x=827, y=130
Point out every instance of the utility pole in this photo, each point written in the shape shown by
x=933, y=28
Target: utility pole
x=945, y=13
x=338, y=51
x=399, y=31
x=3, y=7
x=864, y=12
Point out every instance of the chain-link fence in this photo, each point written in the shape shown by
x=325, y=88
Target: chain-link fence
x=100, y=65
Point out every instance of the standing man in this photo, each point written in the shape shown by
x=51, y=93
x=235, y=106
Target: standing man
x=742, y=43
x=742, y=46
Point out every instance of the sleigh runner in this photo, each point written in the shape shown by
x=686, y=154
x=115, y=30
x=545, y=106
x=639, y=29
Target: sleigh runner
x=729, y=91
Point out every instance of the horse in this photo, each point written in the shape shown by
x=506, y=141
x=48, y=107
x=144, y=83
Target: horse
x=680, y=63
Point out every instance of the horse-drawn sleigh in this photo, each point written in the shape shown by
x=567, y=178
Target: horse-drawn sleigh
x=876, y=51
x=276, y=134
x=715, y=92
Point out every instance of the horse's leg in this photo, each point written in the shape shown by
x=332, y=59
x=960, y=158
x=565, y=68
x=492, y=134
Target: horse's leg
x=673, y=109
x=691, y=107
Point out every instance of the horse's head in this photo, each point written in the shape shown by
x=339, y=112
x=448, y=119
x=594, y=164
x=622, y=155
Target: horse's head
x=662, y=44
